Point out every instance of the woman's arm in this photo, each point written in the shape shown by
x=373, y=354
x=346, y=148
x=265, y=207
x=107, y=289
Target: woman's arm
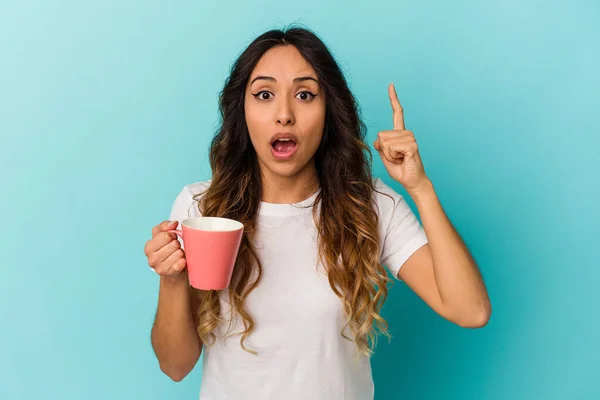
x=443, y=272
x=174, y=337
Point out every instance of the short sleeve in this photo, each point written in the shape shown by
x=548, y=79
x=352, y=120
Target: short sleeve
x=401, y=232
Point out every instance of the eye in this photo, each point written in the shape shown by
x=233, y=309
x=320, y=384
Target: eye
x=305, y=95
x=262, y=95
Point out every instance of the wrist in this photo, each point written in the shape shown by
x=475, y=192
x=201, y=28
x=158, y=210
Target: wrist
x=423, y=191
x=180, y=280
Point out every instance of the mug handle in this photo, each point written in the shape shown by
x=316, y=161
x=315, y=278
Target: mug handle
x=177, y=232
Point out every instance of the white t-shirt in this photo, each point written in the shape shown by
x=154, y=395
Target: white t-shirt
x=298, y=318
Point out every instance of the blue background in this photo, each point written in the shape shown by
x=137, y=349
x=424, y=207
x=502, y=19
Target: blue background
x=106, y=111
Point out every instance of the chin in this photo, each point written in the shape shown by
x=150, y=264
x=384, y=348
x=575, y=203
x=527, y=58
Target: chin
x=285, y=169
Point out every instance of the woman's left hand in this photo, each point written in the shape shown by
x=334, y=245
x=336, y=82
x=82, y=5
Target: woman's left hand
x=399, y=152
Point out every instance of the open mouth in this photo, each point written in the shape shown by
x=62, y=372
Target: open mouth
x=284, y=148
x=284, y=145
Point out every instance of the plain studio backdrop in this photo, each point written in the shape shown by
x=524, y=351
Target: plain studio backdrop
x=107, y=109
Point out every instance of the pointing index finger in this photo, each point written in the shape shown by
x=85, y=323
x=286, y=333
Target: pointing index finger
x=398, y=113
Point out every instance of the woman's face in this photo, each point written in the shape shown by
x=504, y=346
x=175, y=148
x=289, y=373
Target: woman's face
x=285, y=112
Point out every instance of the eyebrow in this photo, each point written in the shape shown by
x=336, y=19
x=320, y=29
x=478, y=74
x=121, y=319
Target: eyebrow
x=296, y=80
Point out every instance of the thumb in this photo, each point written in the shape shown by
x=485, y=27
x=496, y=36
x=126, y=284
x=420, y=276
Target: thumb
x=166, y=225
x=377, y=145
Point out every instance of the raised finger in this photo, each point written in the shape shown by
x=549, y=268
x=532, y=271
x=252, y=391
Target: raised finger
x=398, y=113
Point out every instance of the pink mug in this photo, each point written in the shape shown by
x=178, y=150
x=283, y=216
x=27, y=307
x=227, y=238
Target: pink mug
x=211, y=245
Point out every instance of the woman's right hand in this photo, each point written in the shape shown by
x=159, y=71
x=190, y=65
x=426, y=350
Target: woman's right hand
x=164, y=252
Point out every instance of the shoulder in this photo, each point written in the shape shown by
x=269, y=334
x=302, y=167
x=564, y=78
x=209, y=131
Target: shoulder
x=186, y=201
x=391, y=206
x=197, y=188
x=385, y=197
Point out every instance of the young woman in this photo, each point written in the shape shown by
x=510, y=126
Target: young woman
x=302, y=312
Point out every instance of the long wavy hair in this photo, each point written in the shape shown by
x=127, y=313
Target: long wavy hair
x=346, y=221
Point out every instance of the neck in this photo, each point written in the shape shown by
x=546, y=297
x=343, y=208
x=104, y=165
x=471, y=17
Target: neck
x=289, y=189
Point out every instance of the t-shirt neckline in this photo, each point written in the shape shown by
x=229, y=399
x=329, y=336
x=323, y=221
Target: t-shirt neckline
x=284, y=209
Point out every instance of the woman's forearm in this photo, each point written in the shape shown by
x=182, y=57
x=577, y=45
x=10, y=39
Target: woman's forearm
x=458, y=279
x=174, y=336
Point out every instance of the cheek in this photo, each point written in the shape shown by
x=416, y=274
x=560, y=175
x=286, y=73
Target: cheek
x=257, y=115
x=256, y=121
x=314, y=126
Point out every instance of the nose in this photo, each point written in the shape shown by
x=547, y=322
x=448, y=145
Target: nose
x=285, y=114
